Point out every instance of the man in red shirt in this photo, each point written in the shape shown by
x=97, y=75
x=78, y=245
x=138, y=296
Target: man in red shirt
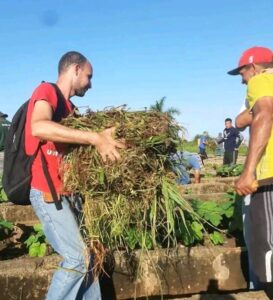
x=61, y=228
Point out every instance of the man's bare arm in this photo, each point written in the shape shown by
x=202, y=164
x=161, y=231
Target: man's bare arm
x=44, y=128
x=261, y=127
x=244, y=119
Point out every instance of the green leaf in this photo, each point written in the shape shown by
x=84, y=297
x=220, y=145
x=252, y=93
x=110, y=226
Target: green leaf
x=3, y=196
x=214, y=218
x=228, y=208
x=236, y=222
x=38, y=227
x=42, y=250
x=187, y=234
x=217, y=238
x=197, y=229
x=210, y=211
x=34, y=249
x=30, y=240
x=6, y=224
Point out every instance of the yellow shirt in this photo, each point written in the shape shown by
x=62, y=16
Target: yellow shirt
x=260, y=86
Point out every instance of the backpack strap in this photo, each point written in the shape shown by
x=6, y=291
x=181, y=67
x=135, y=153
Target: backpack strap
x=61, y=97
x=53, y=192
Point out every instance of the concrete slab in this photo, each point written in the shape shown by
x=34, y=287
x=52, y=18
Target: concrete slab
x=257, y=295
x=18, y=213
x=180, y=271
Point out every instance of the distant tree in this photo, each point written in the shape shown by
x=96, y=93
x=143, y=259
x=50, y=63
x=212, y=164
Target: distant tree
x=159, y=106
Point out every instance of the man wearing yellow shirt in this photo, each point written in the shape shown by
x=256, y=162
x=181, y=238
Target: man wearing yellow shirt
x=255, y=67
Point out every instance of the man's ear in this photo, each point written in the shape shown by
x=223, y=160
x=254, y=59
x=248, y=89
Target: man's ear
x=256, y=68
x=77, y=68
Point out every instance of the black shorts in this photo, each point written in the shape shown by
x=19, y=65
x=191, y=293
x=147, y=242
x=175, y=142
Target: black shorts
x=260, y=242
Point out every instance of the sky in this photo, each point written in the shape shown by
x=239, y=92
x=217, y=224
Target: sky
x=140, y=50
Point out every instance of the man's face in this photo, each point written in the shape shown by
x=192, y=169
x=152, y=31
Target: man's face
x=246, y=73
x=228, y=124
x=83, y=80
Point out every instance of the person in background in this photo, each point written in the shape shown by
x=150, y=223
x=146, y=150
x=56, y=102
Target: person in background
x=239, y=141
x=232, y=140
x=4, y=127
x=185, y=161
x=219, y=151
x=255, y=68
x=202, y=144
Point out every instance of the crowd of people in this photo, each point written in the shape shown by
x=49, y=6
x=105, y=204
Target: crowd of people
x=61, y=227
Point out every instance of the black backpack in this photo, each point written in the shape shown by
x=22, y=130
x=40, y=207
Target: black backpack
x=17, y=176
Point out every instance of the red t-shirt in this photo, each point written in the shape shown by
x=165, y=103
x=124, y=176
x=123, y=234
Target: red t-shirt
x=53, y=152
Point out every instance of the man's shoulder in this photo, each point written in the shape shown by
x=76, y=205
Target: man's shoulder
x=258, y=87
x=44, y=86
x=45, y=91
x=263, y=79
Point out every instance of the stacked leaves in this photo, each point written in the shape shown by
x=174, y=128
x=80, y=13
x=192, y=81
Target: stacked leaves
x=132, y=203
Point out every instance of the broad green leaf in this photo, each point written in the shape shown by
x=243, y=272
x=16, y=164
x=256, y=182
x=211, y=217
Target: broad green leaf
x=42, y=250
x=6, y=224
x=34, y=249
x=197, y=229
x=3, y=196
x=30, y=241
x=38, y=227
x=216, y=238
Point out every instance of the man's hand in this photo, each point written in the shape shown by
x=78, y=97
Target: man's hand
x=246, y=184
x=107, y=146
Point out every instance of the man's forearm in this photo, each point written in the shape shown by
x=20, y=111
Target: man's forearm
x=54, y=132
x=260, y=132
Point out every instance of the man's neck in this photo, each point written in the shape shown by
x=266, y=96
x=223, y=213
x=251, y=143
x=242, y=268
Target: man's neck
x=65, y=88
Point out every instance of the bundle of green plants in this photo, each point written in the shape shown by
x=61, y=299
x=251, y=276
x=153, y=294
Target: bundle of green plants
x=133, y=203
x=229, y=170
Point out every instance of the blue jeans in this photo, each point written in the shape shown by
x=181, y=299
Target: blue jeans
x=184, y=177
x=71, y=281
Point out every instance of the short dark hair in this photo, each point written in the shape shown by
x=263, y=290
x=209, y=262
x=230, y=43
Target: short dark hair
x=69, y=58
x=228, y=120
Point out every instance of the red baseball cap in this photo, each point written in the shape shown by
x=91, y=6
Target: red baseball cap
x=254, y=55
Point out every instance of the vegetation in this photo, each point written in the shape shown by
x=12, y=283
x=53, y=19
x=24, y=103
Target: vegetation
x=192, y=146
x=6, y=228
x=226, y=217
x=36, y=243
x=159, y=107
x=226, y=170
x=3, y=196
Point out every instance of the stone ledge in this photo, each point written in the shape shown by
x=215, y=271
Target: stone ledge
x=17, y=213
x=182, y=271
x=257, y=295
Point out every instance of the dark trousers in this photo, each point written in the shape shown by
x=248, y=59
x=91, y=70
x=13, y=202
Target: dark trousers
x=230, y=157
x=259, y=237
